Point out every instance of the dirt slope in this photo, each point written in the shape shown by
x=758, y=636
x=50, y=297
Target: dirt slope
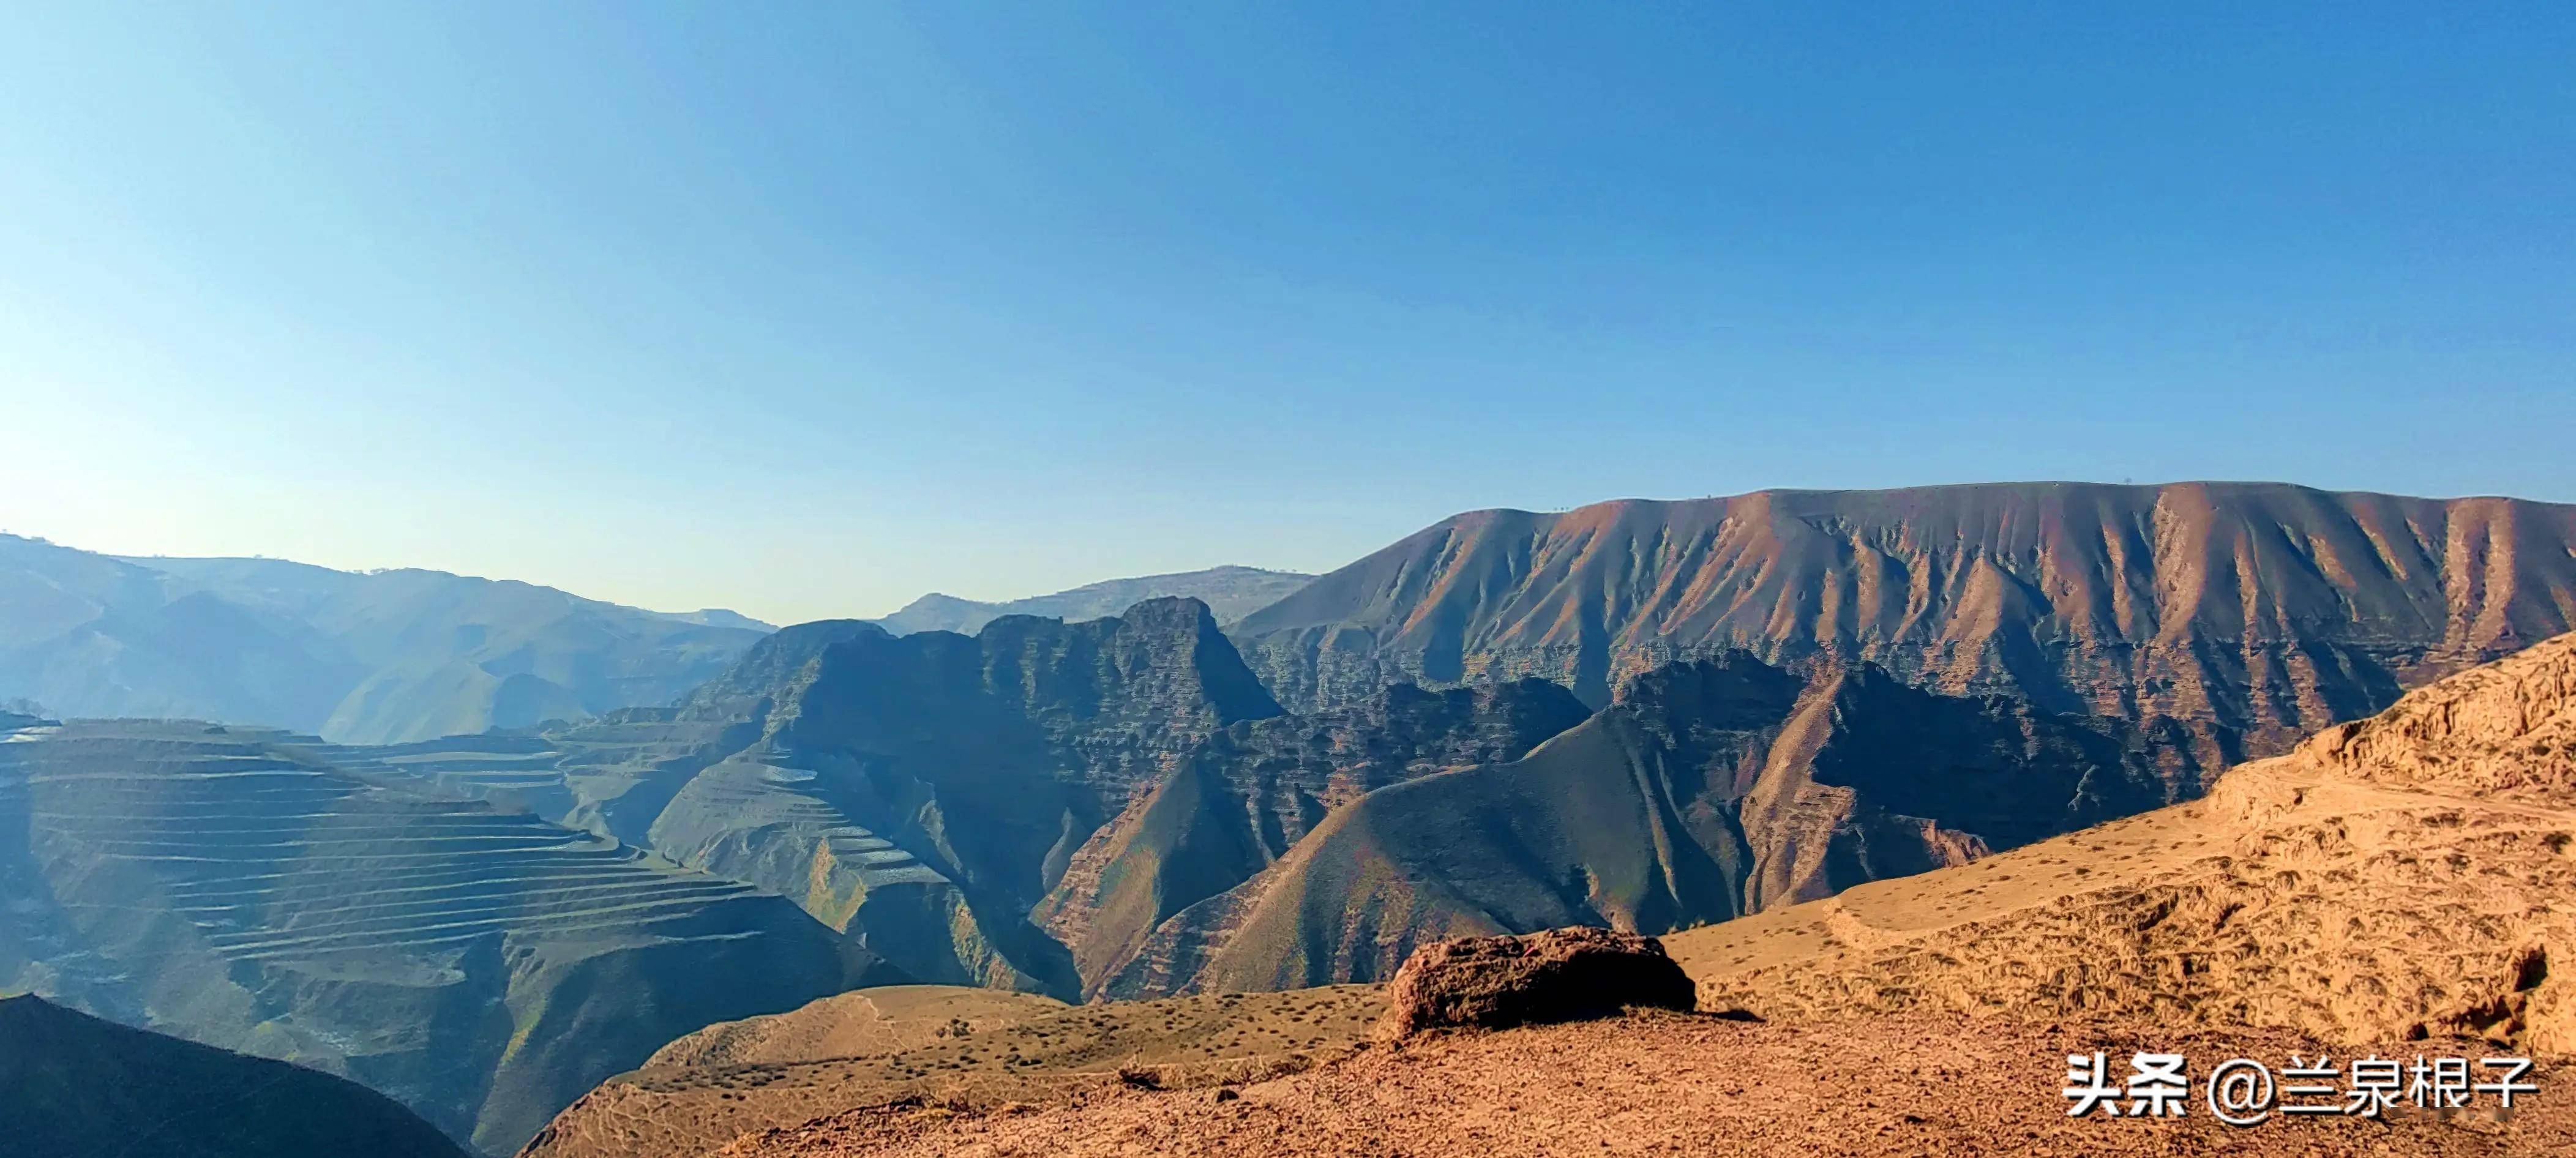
x=940, y=1043
x=2406, y=875
x=1665, y=1084
x=884, y=1019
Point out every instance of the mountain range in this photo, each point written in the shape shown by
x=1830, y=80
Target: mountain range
x=379, y=657
x=2386, y=894
x=1118, y=808
x=523, y=839
x=1229, y=592
x=2245, y=613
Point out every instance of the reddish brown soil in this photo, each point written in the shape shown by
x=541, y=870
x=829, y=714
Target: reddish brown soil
x=1658, y=1083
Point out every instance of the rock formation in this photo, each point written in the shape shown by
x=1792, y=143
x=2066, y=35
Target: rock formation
x=1021, y=809
x=1556, y=975
x=1239, y=803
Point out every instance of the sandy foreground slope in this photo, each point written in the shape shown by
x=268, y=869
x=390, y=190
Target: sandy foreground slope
x=945, y=1044
x=2399, y=886
x=1664, y=1084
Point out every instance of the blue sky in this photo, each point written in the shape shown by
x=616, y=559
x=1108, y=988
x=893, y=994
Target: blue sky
x=805, y=309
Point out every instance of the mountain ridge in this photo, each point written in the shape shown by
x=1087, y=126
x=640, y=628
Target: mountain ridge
x=1230, y=591
x=923, y=793
x=366, y=657
x=2248, y=613
x=1711, y=790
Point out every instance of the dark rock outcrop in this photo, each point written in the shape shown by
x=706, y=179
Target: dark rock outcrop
x=1557, y=975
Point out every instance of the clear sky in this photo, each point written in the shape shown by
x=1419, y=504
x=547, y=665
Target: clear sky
x=805, y=309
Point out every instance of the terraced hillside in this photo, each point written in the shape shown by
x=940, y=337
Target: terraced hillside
x=2247, y=613
x=481, y=966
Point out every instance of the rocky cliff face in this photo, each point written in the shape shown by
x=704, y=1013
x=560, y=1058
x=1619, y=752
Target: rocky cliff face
x=2247, y=613
x=1712, y=789
x=1238, y=803
x=922, y=793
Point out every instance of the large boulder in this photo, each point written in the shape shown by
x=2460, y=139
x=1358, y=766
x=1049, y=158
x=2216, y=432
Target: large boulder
x=1558, y=975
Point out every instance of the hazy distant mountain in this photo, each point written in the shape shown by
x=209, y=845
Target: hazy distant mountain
x=283, y=897
x=1230, y=593
x=378, y=657
x=2247, y=613
x=72, y=1085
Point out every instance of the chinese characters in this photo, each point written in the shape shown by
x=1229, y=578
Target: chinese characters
x=2244, y=1092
